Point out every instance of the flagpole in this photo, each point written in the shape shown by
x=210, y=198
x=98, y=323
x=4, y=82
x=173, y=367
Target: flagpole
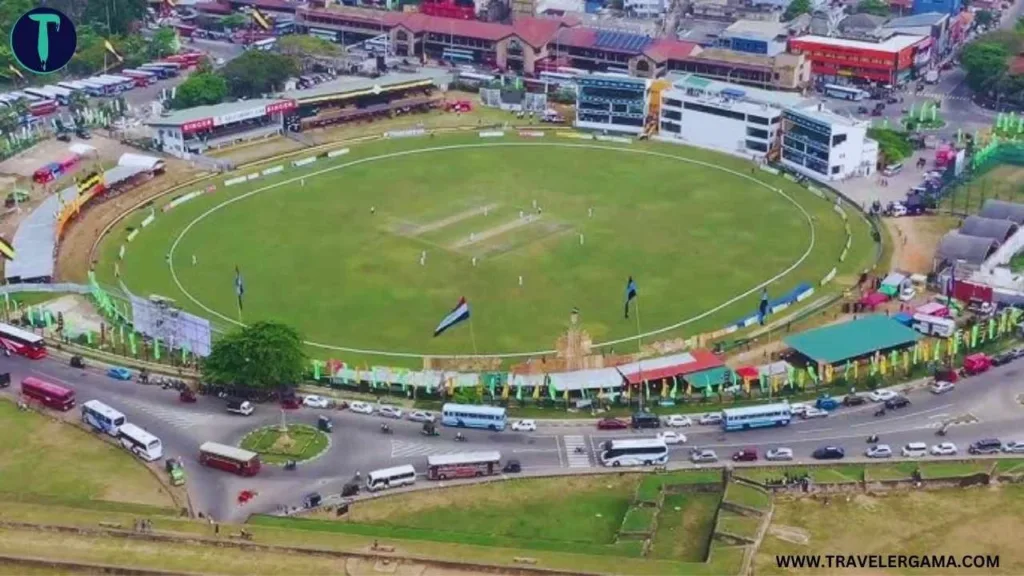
x=472, y=334
x=639, y=349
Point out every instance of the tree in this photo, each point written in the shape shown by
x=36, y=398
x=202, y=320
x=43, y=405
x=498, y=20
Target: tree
x=163, y=43
x=256, y=73
x=234, y=21
x=299, y=45
x=110, y=17
x=983, y=18
x=985, y=63
x=876, y=7
x=265, y=355
x=200, y=89
x=796, y=8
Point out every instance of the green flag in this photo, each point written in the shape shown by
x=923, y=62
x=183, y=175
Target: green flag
x=846, y=371
x=131, y=340
x=121, y=329
x=316, y=368
x=991, y=329
x=813, y=374
x=490, y=384
x=519, y=393
x=894, y=359
x=675, y=386
x=790, y=375
x=156, y=348
x=974, y=336
x=551, y=389
x=185, y=351
x=917, y=351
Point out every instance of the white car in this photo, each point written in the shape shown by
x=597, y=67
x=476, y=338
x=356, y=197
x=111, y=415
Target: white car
x=678, y=421
x=389, y=411
x=316, y=402
x=361, y=407
x=882, y=395
x=814, y=413
x=914, y=450
x=420, y=416
x=710, y=419
x=944, y=449
x=779, y=454
x=907, y=294
x=798, y=408
x=670, y=437
x=879, y=451
x=941, y=387
x=698, y=456
x=524, y=426
x=1014, y=447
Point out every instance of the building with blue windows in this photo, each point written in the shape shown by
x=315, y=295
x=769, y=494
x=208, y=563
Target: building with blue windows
x=827, y=146
x=611, y=102
x=755, y=37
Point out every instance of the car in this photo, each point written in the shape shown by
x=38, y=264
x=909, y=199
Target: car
x=698, y=456
x=1003, y=358
x=798, y=408
x=907, y=294
x=421, y=416
x=388, y=411
x=914, y=450
x=745, y=455
x=1014, y=447
x=881, y=395
x=313, y=401
x=512, y=467
x=612, y=424
x=829, y=453
x=120, y=373
x=524, y=426
x=678, y=421
x=710, y=419
x=944, y=449
x=361, y=407
x=941, y=387
x=986, y=446
x=897, y=403
x=854, y=400
x=669, y=437
x=879, y=451
x=779, y=454
x=814, y=413
x=1017, y=352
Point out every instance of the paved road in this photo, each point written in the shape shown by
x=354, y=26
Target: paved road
x=358, y=444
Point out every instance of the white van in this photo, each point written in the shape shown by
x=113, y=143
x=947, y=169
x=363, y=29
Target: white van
x=933, y=325
x=915, y=450
x=892, y=170
x=390, y=478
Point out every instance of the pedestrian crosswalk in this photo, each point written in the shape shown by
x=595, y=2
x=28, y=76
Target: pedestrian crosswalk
x=406, y=449
x=934, y=95
x=577, y=453
x=182, y=418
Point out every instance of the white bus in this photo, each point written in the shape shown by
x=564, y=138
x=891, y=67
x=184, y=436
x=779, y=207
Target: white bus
x=933, y=325
x=63, y=94
x=390, y=478
x=642, y=452
x=845, y=92
x=102, y=418
x=42, y=92
x=473, y=416
x=779, y=414
x=264, y=45
x=465, y=465
x=141, y=443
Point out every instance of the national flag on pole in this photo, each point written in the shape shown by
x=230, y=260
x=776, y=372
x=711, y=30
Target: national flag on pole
x=15, y=71
x=630, y=294
x=239, y=286
x=260, y=19
x=762, y=309
x=458, y=314
x=6, y=250
x=110, y=48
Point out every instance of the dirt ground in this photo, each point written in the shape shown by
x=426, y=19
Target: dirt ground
x=915, y=240
x=26, y=163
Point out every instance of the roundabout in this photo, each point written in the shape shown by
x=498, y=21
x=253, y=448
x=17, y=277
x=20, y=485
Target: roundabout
x=365, y=255
x=286, y=443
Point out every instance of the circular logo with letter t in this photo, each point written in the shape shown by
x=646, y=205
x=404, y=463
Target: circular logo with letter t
x=43, y=40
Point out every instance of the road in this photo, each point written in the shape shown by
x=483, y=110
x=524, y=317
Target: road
x=358, y=445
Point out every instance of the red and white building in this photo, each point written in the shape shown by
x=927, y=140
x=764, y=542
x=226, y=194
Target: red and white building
x=891, y=61
x=195, y=130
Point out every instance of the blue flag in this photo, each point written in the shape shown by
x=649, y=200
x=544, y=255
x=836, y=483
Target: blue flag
x=239, y=286
x=630, y=294
x=762, y=309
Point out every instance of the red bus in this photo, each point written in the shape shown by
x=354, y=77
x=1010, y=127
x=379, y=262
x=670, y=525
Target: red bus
x=43, y=107
x=22, y=342
x=187, y=59
x=50, y=395
x=229, y=459
x=465, y=465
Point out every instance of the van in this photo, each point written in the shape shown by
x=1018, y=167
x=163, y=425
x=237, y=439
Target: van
x=892, y=170
x=915, y=450
x=390, y=478
x=986, y=446
x=645, y=420
x=242, y=407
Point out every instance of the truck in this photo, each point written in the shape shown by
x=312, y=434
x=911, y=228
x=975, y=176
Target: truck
x=237, y=406
x=175, y=471
x=931, y=77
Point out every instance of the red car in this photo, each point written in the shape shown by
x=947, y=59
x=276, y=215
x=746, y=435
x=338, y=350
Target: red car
x=745, y=455
x=612, y=424
x=291, y=403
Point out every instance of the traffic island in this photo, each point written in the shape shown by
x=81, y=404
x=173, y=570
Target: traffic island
x=292, y=442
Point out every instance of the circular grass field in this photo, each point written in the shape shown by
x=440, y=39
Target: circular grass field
x=301, y=443
x=372, y=249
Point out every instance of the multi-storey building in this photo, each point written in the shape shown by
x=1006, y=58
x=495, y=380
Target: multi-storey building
x=611, y=103
x=827, y=146
x=891, y=60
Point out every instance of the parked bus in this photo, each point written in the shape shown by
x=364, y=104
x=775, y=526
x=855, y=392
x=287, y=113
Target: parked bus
x=93, y=88
x=390, y=478
x=102, y=418
x=141, y=77
x=640, y=452
x=844, y=92
x=41, y=92
x=469, y=416
x=264, y=45
x=748, y=417
x=22, y=342
x=933, y=325
x=229, y=459
x=141, y=443
x=49, y=395
x=161, y=71
x=185, y=59
x=43, y=107
x=123, y=84
x=73, y=85
x=465, y=465
x=63, y=95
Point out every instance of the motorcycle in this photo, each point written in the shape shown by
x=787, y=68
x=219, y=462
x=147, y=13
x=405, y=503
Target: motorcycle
x=880, y=412
x=385, y=429
x=941, y=431
x=291, y=465
x=460, y=438
x=873, y=439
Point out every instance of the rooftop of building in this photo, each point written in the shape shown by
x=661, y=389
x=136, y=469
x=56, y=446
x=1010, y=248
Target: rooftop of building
x=926, y=19
x=861, y=22
x=356, y=84
x=734, y=57
x=271, y=5
x=202, y=112
x=701, y=31
x=737, y=91
x=892, y=44
x=854, y=339
x=760, y=29
x=818, y=111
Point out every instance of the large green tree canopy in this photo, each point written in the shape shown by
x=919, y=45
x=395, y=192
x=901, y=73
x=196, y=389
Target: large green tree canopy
x=202, y=88
x=256, y=73
x=263, y=355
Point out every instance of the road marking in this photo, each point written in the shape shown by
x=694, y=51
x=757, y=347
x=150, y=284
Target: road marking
x=535, y=450
x=183, y=419
x=943, y=415
x=814, y=431
x=405, y=449
x=883, y=421
x=576, y=452
x=561, y=458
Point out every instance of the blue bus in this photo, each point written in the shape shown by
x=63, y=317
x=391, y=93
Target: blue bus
x=756, y=416
x=470, y=416
x=102, y=418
